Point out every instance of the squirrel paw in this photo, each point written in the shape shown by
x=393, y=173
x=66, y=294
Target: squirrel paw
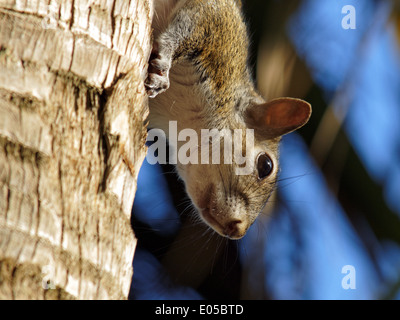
x=158, y=74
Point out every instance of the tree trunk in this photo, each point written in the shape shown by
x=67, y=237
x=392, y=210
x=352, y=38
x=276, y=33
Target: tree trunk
x=72, y=133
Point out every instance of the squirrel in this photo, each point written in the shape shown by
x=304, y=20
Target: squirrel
x=198, y=76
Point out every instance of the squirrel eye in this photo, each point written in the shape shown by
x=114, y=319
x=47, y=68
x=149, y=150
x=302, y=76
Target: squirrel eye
x=264, y=166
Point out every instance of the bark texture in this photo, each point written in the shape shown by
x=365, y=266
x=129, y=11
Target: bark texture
x=72, y=133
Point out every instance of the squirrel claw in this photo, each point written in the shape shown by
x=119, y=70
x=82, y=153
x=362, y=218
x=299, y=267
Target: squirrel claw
x=158, y=75
x=156, y=84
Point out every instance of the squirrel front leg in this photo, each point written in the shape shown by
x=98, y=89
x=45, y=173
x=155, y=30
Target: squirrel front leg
x=167, y=49
x=158, y=73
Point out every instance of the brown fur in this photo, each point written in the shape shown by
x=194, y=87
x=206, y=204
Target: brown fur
x=205, y=45
x=221, y=57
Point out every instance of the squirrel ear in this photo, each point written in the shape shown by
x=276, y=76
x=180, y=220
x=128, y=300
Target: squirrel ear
x=278, y=117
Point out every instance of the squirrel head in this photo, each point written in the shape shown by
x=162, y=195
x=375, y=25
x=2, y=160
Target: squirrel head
x=229, y=195
x=204, y=45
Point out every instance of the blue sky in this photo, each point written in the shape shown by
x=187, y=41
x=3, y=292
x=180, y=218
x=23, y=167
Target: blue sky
x=309, y=238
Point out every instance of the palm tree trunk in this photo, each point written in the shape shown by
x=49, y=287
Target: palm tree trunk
x=72, y=133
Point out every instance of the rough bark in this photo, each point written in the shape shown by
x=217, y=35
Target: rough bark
x=72, y=133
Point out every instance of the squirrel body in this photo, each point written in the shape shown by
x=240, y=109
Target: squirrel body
x=199, y=77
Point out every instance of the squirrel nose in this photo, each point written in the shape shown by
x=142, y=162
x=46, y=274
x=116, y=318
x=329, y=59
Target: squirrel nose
x=235, y=229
